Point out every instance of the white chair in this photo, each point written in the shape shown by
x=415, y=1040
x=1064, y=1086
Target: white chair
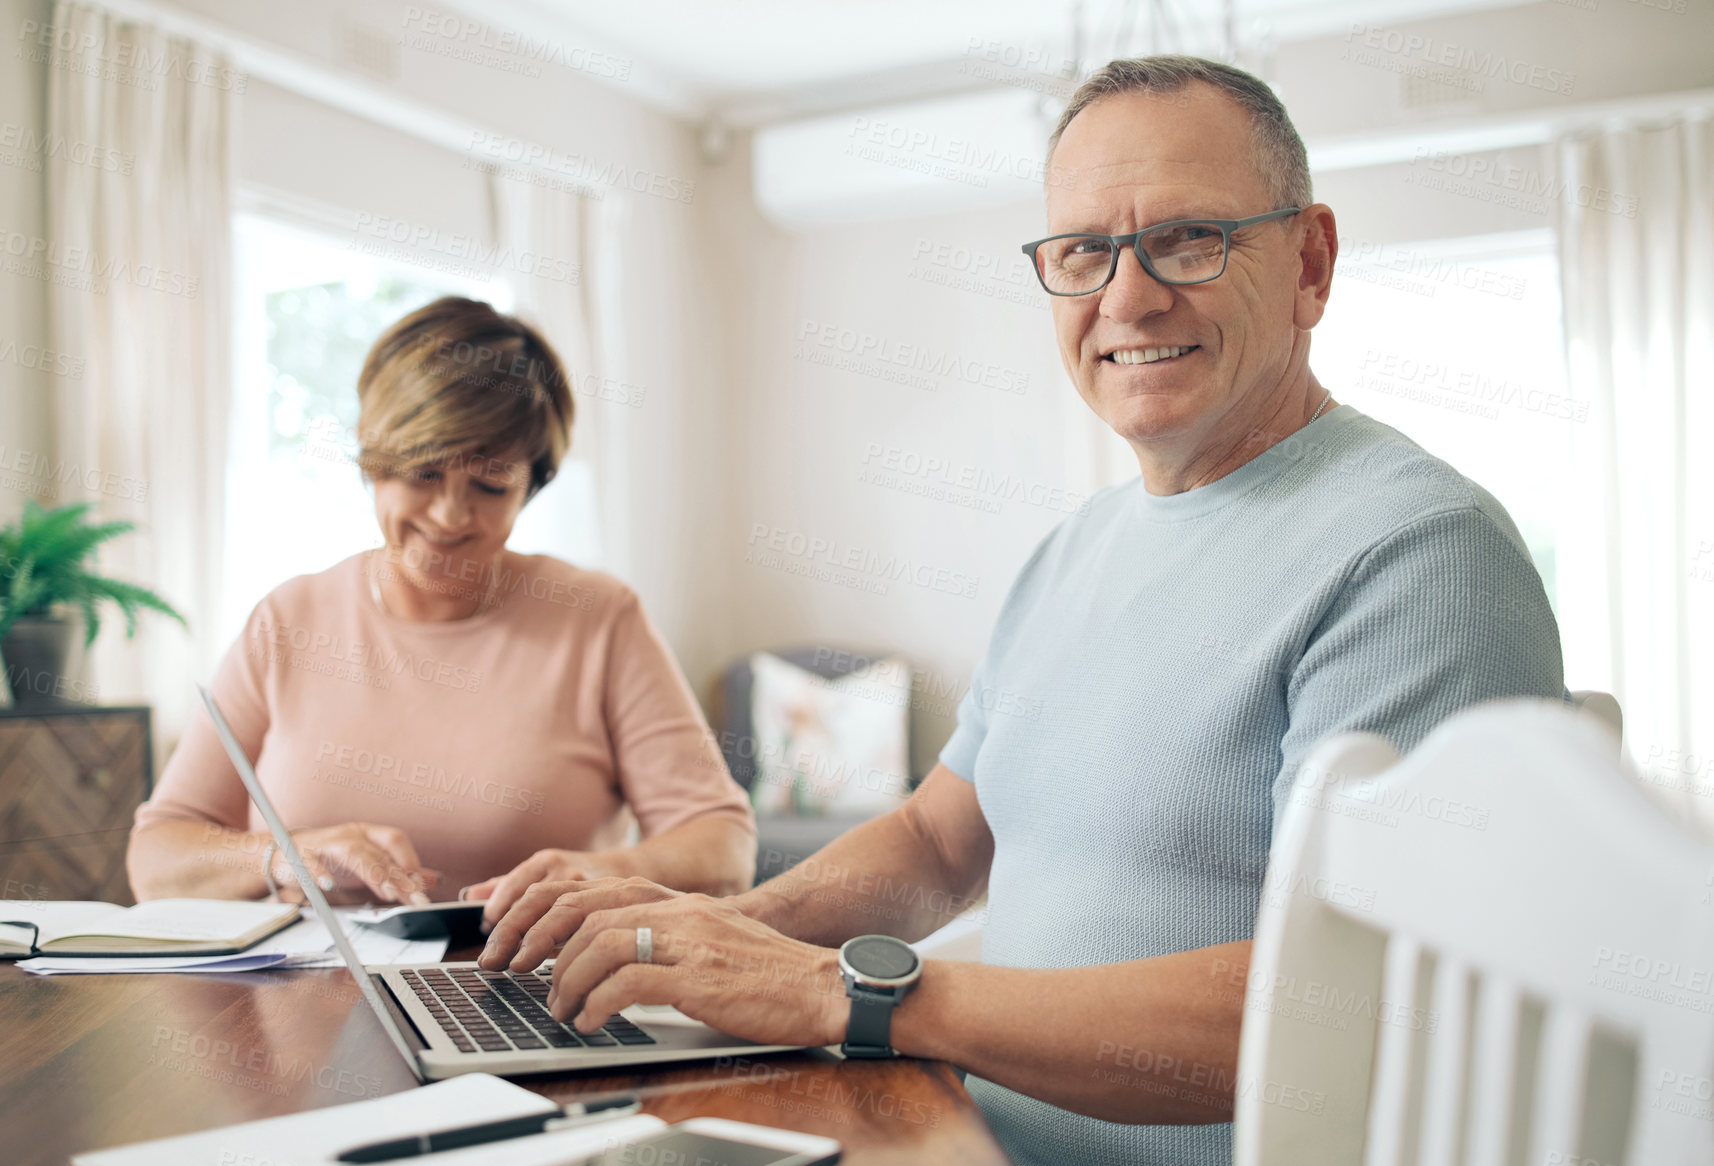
x=1603, y=706
x=1494, y=951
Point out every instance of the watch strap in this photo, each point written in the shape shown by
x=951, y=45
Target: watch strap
x=869, y=1033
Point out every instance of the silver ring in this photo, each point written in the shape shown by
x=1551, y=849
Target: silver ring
x=645, y=946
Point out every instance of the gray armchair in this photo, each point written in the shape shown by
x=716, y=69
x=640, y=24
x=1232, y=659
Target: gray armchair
x=782, y=840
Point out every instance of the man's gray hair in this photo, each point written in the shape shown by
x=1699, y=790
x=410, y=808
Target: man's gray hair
x=1279, y=155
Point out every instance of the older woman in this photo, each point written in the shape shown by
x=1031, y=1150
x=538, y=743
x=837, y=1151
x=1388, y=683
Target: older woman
x=443, y=716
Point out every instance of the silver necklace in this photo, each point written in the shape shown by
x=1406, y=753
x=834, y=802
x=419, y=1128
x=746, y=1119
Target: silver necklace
x=1320, y=407
x=381, y=603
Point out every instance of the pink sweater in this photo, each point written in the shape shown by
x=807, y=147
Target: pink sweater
x=537, y=723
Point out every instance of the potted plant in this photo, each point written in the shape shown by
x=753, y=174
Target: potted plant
x=42, y=574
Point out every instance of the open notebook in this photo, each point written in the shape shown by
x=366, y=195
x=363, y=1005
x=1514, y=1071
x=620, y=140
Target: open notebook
x=159, y=927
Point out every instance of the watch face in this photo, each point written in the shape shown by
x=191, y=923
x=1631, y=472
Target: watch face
x=881, y=957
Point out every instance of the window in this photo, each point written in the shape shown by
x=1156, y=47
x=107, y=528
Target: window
x=307, y=310
x=1457, y=345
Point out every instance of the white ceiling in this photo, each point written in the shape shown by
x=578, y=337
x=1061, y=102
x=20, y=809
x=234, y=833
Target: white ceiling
x=756, y=61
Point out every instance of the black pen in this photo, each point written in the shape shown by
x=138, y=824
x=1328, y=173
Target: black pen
x=494, y=1131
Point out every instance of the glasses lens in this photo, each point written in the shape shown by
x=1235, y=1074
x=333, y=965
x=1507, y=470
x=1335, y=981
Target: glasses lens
x=1074, y=263
x=1186, y=253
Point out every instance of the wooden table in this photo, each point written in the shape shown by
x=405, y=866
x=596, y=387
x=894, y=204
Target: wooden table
x=94, y=1061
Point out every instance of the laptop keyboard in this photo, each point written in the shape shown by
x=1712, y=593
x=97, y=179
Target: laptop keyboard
x=497, y=1012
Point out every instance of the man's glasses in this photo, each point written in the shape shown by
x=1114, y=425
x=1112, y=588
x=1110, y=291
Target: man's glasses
x=1182, y=251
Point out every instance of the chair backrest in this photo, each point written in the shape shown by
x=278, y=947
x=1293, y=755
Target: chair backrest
x=1494, y=951
x=1604, y=706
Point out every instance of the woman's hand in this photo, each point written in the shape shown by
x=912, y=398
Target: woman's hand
x=380, y=859
x=502, y=891
x=711, y=962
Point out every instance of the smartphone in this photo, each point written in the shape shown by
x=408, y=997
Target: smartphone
x=715, y=1141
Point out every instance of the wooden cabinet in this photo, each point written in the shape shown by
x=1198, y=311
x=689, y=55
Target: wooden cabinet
x=70, y=779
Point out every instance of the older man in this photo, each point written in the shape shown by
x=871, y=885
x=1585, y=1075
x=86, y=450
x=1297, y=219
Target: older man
x=1284, y=568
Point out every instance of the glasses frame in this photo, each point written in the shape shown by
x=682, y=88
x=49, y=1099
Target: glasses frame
x=1134, y=242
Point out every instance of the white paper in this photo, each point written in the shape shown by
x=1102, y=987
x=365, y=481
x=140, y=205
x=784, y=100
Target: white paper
x=315, y=1138
x=372, y=947
x=305, y=944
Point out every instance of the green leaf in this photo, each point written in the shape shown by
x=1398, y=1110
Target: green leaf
x=91, y=619
x=42, y=558
x=130, y=597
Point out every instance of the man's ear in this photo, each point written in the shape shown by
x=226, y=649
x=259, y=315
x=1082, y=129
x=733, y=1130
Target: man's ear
x=1316, y=255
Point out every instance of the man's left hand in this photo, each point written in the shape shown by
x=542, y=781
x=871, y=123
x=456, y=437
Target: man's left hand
x=712, y=963
x=502, y=891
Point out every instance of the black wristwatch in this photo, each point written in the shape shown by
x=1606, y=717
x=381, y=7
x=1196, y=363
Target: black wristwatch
x=878, y=971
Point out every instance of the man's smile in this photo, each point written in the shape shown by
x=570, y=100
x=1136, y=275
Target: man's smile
x=1150, y=355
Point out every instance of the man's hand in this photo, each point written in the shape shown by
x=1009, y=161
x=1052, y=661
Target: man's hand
x=550, y=913
x=711, y=962
x=380, y=859
x=502, y=891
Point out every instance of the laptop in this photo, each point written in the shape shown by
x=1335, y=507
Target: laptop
x=452, y=1018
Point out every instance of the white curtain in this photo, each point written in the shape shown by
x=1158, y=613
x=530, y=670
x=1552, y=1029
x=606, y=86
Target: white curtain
x=143, y=296
x=1636, y=239
x=583, y=516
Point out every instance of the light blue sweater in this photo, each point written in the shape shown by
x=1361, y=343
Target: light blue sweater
x=1160, y=669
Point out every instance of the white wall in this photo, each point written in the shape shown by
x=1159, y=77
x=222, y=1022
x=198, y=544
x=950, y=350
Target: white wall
x=1544, y=58
x=299, y=148
x=811, y=437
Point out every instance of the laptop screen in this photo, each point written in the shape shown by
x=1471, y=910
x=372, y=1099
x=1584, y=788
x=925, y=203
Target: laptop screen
x=312, y=893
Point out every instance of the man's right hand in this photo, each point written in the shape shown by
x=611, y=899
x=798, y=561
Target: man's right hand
x=548, y=914
x=359, y=855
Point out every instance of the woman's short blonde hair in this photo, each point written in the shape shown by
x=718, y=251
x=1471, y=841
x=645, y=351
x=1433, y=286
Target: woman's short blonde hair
x=456, y=379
